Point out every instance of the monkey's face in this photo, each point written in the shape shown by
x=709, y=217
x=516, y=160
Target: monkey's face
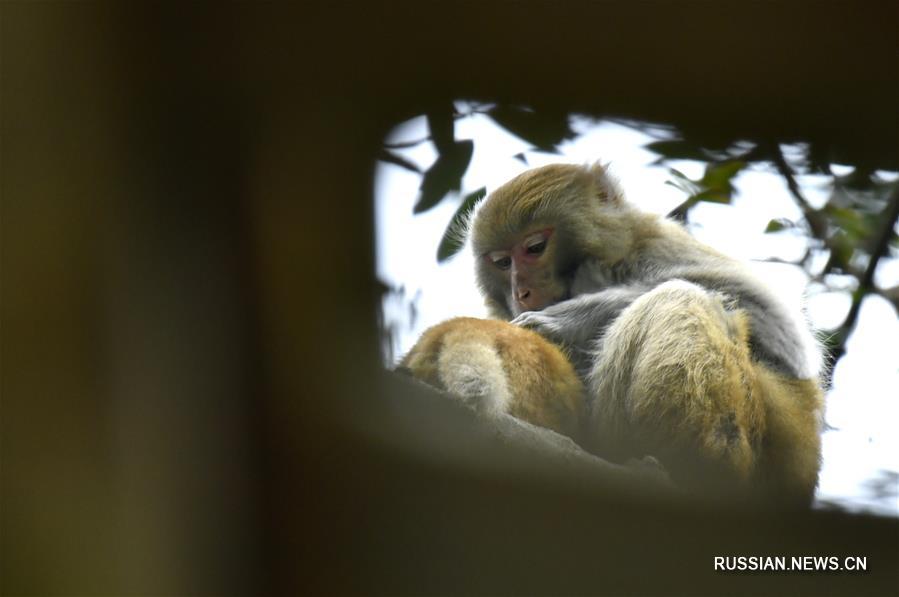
x=527, y=271
x=530, y=235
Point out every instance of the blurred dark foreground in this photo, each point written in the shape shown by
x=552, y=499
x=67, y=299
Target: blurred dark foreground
x=192, y=397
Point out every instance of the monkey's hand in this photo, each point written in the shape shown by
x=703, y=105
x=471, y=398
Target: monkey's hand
x=578, y=321
x=545, y=323
x=551, y=325
x=572, y=322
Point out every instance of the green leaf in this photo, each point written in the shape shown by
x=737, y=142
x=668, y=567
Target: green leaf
x=678, y=174
x=680, y=186
x=713, y=196
x=713, y=187
x=679, y=213
x=444, y=175
x=543, y=129
x=718, y=176
x=681, y=182
x=778, y=225
x=850, y=221
x=677, y=150
x=453, y=237
x=842, y=249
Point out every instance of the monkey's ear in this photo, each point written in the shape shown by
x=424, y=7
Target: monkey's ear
x=607, y=186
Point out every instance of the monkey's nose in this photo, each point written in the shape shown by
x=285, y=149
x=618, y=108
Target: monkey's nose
x=523, y=294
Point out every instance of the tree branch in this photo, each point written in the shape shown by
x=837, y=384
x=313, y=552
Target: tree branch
x=816, y=222
x=866, y=281
x=406, y=144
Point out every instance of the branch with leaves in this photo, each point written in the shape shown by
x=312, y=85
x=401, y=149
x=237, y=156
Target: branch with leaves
x=855, y=226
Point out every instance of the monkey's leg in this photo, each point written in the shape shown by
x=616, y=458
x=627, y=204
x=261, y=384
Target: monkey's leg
x=673, y=378
x=495, y=367
x=790, y=458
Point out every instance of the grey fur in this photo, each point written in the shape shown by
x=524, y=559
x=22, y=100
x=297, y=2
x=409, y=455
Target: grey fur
x=661, y=329
x=619, y=253
x=579, y=323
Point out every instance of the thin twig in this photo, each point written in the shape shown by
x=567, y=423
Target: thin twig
x=406, y=144
x=866, y=281
x=815, y=221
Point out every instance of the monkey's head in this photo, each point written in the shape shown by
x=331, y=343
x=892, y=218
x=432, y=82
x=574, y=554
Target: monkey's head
x=531, y=234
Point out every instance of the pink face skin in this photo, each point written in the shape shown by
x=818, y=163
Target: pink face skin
x=528, y=270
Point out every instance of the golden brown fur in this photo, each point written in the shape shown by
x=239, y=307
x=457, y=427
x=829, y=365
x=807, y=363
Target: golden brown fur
x=480, y=359
x=685, y=355
x=787, y=463
x=676, y=380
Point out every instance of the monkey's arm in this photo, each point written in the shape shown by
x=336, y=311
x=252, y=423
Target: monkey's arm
x=577, y=322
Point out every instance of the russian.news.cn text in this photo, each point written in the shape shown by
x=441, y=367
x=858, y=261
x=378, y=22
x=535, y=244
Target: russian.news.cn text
x=791, y=563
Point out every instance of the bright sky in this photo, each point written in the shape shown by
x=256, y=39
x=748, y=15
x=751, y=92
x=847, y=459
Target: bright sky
x=862, y=448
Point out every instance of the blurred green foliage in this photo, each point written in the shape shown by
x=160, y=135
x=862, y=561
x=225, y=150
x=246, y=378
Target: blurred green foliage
x=454, y=236
x=854, y=229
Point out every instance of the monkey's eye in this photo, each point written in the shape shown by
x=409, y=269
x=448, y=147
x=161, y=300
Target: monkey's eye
x=536, y=248
x=500, y=260
x=536, y=243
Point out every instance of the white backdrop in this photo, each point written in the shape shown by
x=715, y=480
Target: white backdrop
x=861, y=446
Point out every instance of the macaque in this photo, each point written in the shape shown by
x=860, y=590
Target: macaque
x=497, y=367
x=685, y=355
